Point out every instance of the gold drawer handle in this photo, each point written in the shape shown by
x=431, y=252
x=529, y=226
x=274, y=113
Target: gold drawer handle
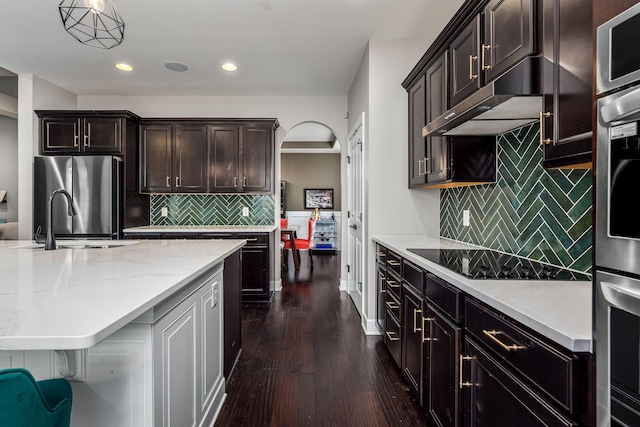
x=393, y=305
x=471, y=59
x=380, y=254
x=393, y=338
x=492, y=335
x=543, y=140
x=485, y=47
x=393, y=262
x=415, y=321
x=393, y=284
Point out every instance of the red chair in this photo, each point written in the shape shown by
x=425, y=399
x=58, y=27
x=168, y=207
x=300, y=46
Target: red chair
x=303, y=244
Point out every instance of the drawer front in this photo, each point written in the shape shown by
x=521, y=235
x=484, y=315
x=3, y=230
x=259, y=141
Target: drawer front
x=392, y=305
x=553, y=370
x=394, y=284
x=394, y=263
x=413, y=275
x=381, y=255
x=393, y=338
x=253, y=239
x=445, y=296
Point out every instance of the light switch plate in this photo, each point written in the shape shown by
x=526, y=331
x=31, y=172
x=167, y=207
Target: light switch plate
x=465, y=218
x=245, y=211
x=164, y=212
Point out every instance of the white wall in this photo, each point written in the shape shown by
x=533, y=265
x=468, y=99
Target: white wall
x=9, y=167
x=34, y=93
x=391, y=208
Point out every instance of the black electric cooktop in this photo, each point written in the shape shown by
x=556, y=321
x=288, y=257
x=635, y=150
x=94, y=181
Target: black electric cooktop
x=488, y=264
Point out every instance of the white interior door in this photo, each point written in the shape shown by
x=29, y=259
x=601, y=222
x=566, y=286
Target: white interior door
x=355, y=216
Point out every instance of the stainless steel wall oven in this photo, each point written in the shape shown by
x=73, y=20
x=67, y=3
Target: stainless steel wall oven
x=617, y=244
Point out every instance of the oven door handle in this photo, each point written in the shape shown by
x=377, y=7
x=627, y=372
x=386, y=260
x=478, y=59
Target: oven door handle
x=626, y=299
x=621, y=107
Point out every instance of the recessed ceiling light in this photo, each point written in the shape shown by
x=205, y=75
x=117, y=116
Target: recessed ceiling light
x=124, y=67
x=176, y=66
x=228, y=66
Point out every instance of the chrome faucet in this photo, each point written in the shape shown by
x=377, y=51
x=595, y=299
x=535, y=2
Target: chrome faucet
x=50, y=243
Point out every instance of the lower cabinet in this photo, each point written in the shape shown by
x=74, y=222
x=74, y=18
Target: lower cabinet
x=255, y=267
x=412, y=341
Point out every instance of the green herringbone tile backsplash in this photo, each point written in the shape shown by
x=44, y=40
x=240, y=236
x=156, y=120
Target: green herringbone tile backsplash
x=205, y=209
x=537, y=213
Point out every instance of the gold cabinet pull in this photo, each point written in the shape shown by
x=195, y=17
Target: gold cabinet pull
x=244, y=181
x=393, y=305
x=485, y=47
x=235, y=181
x=393, y=284
x=471, y=59
x=75, y=141
x=168, y=182
x=492, y=336
x=415, y=321
x=86, y=135
x=543, y=140
x=177, y=181
x=86, y=138
x=392, y=336
x=380, y=254
x=393, y=262
x=427, y=171
x=466, y=383
x=420, y=167
x=424, y=328
x=254, y=239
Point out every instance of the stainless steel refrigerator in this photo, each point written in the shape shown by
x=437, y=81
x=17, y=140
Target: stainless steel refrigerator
x=95, y=184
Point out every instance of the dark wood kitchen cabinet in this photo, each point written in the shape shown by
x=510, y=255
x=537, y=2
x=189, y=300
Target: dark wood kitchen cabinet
x=464, y=62
x=255, y=266
x=417, y=143
x=567, y=74
x=393, y=307
x=241, y=157
x=173, y=158
x=85, y=132
x=413, y=341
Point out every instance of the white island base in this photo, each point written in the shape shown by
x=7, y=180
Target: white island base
x=162, y=365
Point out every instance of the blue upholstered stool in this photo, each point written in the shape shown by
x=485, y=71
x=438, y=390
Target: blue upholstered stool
x=25, y=402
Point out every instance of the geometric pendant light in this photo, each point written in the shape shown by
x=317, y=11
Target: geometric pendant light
x=95, y=23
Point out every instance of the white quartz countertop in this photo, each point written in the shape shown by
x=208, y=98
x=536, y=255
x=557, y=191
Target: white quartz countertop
x=73, y=298
x=558, y=310
x=202, y=229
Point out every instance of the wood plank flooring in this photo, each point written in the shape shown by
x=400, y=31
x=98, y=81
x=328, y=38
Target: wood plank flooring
x=306, y=361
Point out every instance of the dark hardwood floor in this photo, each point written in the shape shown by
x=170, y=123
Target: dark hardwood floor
x=306, y=361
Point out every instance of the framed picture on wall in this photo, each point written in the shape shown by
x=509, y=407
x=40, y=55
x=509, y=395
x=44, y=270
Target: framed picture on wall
x=321, y=198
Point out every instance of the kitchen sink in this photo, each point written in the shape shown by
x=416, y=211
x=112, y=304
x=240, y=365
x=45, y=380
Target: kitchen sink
x=82, y=244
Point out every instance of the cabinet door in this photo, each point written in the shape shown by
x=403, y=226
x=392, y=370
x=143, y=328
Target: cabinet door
x=568, y=82
x=494, y=396
x=102, y=135
x=256, y=157
x=175, y=343
x=417, y=120
x=465, y=64
x=156, y=159
x=190, y=159
x=436, y=163
x=444, y=344
x=60, y=135
x=508, y=35
x=223, y=159
x=255, y=272
x=412, y=344
x=211, y=333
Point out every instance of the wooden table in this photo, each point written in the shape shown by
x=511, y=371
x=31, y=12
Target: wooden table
x=290, y=235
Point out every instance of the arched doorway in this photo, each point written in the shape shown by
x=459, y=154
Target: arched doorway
x=311, y=159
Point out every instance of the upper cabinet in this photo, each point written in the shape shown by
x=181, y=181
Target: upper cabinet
x=212, y=156
x=84, y=132
x=567, y=67
x=465, y=69
x=173, y=158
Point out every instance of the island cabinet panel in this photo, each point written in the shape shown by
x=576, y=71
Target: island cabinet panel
x=173, y=158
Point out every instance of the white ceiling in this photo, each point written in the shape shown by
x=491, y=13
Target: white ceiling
x=282, y=47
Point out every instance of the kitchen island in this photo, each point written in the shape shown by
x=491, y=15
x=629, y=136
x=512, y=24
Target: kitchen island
x=137, y=328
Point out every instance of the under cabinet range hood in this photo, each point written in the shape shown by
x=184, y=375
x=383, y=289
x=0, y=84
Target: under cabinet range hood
x=512, y=100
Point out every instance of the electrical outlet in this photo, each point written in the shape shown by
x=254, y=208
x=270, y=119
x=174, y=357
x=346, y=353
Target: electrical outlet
x=164, y=212
x=245, y=211
x=465, y=217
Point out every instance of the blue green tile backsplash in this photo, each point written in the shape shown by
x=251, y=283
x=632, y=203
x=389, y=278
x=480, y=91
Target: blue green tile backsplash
x=537, y=213
x=213, y=209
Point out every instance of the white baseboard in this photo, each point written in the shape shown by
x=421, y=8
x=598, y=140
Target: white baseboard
x=343, y=285
x=276, y=285
x=370, y=326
